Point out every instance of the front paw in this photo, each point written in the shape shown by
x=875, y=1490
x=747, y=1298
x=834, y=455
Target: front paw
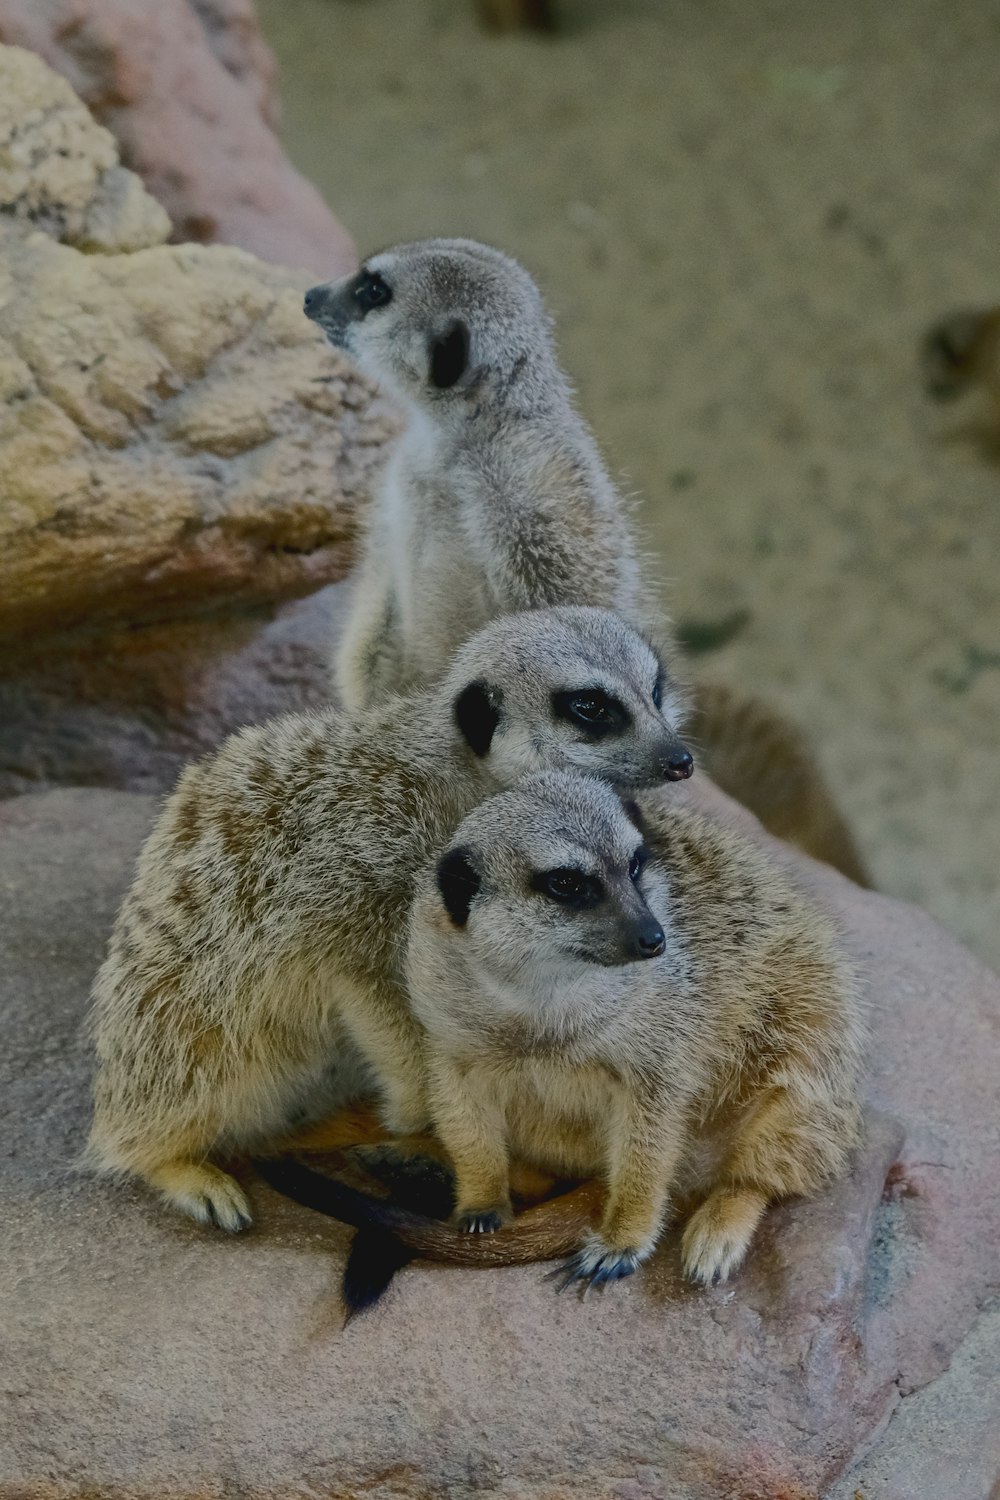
x=718, y=1235
x=483, y=1220
x=597, y=1264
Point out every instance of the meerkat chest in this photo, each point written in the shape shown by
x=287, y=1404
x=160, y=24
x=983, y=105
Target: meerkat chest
x=438, y=579
x=558, y=1114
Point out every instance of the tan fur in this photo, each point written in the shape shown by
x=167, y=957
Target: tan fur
x=496, y=498
x=722, y=1072
x=253, y=973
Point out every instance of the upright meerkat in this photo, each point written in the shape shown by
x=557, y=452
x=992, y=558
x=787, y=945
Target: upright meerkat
x=657, y=1006
x=496, y=499
x=268, y=911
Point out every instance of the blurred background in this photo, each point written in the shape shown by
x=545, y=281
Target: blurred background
x=744, y=218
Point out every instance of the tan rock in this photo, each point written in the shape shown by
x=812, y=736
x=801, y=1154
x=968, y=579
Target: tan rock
x=59, y=169
x=173, y=434
x=186, y=87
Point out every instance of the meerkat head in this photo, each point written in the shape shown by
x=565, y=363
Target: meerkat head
x=547, y=883
x=571, y=688
x=433, y=321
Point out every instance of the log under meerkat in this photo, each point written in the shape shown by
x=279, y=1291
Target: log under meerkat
x=267, y=916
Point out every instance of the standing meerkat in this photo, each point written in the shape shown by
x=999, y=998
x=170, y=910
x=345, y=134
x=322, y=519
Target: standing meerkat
x=496, y=499
x=268, y=911
x=657, y=1006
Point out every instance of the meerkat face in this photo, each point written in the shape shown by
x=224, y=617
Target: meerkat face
x=571, y=688
x=435, y=320
x=546, y=884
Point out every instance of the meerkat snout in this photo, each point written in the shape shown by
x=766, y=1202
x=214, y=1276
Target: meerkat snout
x=678, y=764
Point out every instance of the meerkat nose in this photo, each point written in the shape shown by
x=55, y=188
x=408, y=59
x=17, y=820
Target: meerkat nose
x=651, y=941
x=678, y=766
x=312, y=299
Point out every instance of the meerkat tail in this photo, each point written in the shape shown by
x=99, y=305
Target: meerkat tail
x=764, y=761
x=545, y=1232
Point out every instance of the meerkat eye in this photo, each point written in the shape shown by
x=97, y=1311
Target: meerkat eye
x=371, y=291
x=658, y=690
x=637, y=863
x=569, y=887
x=591, y=709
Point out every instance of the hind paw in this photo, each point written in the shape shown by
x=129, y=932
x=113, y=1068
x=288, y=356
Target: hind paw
x=205, y=1193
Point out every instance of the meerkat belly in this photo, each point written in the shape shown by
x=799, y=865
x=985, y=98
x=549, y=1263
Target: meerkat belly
x=557, y=1116
x=438, y=578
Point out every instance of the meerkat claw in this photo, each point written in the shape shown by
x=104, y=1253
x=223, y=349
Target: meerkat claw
x=480, y=1221
x=595, y=1267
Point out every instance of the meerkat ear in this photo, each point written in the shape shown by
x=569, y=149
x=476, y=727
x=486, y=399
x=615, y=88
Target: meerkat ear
x=458, y=880
x=477, y=713
x=450, y=355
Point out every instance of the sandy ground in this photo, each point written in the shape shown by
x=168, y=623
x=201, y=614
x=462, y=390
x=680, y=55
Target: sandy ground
x=743, y=217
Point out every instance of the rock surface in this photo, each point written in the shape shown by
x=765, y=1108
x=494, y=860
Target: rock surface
x=188, y=90
x=180, y=454
x=143, y=1356
x=173, y=433
x=128, y=706
x=59, y=169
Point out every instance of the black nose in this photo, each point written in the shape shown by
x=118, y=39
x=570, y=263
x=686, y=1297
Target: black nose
x=679, y=765
x=650, y=941
x=312, y=300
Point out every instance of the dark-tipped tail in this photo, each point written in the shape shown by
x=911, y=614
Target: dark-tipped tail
x=551, y=1229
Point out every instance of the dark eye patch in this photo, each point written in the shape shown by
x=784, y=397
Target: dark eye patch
x=569, y=887
x=658, y=689
x=637, y=863
x=371, y=291
x=591, y=709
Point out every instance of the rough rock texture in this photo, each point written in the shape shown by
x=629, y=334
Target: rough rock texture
x=180, y=454
x=944, y=1442
x=144, y=1357
x=187, y=89
x=128, y=706
x=59, y=169
x=173, y=431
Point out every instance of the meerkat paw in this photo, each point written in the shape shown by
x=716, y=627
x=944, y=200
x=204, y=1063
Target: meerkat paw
x=597, y=1263
x=483, y=1220
x=718, y=1234
x=204, y=1192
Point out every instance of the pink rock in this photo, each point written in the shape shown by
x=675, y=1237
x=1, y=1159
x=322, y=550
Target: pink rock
x=187, y=88
x=129, y=705
x=143, y=1356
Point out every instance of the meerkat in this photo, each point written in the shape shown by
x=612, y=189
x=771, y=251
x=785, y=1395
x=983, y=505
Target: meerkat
x=268, y=911
x=496, y=499
x=650, y=1003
